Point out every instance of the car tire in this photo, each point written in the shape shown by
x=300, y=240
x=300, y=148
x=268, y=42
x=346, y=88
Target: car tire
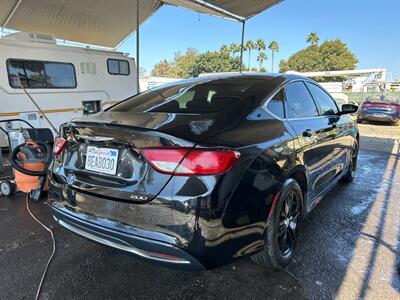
x=273, y=255
x=352, y=169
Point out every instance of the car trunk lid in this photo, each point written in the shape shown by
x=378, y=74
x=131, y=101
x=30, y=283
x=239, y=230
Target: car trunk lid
x=96, y=142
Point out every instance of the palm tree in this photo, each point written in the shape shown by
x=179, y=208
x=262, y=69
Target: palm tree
x=313, y=38
x=274, y=47
x=249, y=46
x=234, y=47
x=260, y=45
x=262, y=56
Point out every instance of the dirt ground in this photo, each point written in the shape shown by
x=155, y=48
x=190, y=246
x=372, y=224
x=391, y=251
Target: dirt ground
x=379, y=137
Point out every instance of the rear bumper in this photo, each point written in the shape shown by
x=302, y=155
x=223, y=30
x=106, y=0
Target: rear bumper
x=160, y=231
x=191, y=224
x=121, y=239
x=378, y=117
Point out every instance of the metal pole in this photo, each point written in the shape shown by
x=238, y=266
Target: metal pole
x=137, y=46
x=11, y=14
x=242, y=47
x=40, y=110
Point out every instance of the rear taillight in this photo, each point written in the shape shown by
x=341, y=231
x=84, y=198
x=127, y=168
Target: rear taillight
x=188, y=162
x=391, y=106
x=59, y=145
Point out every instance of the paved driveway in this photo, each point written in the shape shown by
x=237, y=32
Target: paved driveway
x=348, y=250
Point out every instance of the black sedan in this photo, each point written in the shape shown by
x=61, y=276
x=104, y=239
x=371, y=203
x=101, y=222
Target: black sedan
x=200, y=172
x=379, y=110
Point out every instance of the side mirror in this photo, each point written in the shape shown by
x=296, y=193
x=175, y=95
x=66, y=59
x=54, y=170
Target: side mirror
x=348, y=109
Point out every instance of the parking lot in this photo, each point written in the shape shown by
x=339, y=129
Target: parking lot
x=349, y=249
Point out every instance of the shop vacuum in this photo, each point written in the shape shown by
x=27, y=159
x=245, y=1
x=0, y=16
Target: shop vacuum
x=30, y=156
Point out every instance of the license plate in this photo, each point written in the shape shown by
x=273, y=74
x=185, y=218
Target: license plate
x=102, y=160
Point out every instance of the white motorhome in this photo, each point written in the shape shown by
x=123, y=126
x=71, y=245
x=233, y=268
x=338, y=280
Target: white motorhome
x=65, y=81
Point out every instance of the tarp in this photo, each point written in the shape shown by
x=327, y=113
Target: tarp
x=231, y=9
x=108, y=22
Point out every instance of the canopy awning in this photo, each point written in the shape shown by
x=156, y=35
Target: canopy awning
x=108, y=22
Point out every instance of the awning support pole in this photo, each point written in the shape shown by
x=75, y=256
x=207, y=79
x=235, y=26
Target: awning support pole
x=137, y=46
x=11, y=14
x=242, y=46
x=224, y=12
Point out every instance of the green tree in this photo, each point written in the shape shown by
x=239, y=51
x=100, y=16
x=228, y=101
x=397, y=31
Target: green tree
x=225, y=49
x=215, y=61
x=329, y=56
x=183, y=64
x=192, y=63
x=274, y=47
x=313, y=38
x=260, y=45
x=249, y=46
x=162, y=69
x=283, y=66
x=262, y=56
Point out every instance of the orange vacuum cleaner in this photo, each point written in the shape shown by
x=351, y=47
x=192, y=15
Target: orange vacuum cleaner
x=31, y=161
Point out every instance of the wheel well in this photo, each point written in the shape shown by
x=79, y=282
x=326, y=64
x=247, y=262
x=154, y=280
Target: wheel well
x=301, y=179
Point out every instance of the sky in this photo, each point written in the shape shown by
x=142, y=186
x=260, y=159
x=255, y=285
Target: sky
x=370, y=28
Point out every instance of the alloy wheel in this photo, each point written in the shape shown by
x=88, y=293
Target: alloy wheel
x=288, y=224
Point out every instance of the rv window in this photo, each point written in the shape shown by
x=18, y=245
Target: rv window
x=35, y=74
x=40, y=74
x=118, y=67
x=60, y=75
x=16, y=71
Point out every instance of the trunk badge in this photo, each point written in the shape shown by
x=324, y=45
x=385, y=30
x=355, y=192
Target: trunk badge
x=141, y=198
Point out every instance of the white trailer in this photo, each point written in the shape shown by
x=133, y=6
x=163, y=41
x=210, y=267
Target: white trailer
x=65, y=81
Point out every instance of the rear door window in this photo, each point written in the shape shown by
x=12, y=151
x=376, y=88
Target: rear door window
x=276, y=105
x=299, y=102
x=326, y=104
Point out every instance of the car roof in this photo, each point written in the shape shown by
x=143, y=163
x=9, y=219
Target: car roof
x=208, y=78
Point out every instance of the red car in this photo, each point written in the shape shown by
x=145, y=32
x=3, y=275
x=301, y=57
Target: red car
x=380, y=110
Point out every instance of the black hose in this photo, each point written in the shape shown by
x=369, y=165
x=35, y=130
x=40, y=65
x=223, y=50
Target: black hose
x=14, y=160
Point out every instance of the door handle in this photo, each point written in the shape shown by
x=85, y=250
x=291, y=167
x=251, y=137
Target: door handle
x=308, y=133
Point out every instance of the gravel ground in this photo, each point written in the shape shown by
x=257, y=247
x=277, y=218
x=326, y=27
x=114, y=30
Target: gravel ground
x=379, y=137
x=349, y=249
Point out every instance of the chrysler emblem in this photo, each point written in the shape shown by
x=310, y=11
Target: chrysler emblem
x=95, y=138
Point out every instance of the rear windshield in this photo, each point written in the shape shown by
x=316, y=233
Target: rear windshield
x=382, y=98
x=198, y=97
